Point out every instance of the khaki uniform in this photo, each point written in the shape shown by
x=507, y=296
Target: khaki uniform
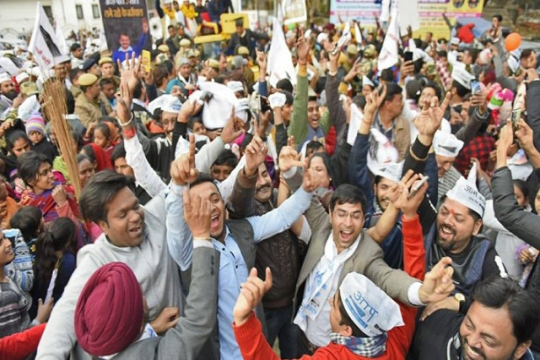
x=90, y=111
x=75, y=91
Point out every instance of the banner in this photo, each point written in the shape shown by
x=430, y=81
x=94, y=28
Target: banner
x=429, y=11
x=294, y=11
x=126, y=27
x=44, y=44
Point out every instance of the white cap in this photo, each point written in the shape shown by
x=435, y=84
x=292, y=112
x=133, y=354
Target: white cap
x=322, y=37
x=277, y=99
x=462, y=76
x=29, y=107
x=386, y=152
x=166, y=2
x=35, y=71
x=367, y=81
x=22, y=77
x=235, y=86
x=5, y=77
x=168, y=103
x=242, y=110
x=454, y=41
x=370, y=308
x=217, y=111
x=466, y=193
x=391, y=171
x=445, y=144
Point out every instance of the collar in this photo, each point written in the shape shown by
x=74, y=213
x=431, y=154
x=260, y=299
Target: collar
x=139, y=102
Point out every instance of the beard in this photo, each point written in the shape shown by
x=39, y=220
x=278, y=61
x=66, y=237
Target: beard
x=11, y=95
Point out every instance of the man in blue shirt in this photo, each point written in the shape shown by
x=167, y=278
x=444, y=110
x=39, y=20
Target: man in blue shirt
x=125, y=45
x=234, y=239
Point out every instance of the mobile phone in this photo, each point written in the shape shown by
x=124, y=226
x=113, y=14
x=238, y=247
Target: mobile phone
x=265, y=105
x=417, y=186
x=516, y=115
x=408, y=56
x=475, y=87
x=518, y=71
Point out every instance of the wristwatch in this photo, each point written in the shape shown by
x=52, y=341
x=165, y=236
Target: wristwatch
x=460, y=299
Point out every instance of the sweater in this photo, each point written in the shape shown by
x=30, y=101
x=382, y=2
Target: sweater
x=19, y=346
x=254, y=346
x=150, y=261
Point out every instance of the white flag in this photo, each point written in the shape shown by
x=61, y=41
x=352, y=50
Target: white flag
x=43, y=44
x=385, y=11
x=280, y=63
x=389, y=52
x=472, y=174
x=357, y=34
x=408, y=15
x=62, y=44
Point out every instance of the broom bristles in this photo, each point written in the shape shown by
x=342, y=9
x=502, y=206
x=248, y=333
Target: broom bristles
x=55, y=108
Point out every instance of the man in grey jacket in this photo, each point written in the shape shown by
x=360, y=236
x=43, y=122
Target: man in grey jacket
x=118, y=293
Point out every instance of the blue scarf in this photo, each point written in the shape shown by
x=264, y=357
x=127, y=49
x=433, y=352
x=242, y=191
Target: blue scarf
x=370, y=347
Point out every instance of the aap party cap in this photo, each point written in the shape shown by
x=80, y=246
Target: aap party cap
x=466, y=193
x=370, y=308
x=445, y=144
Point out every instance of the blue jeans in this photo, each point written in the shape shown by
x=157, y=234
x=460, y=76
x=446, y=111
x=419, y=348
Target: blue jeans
x=278, y=322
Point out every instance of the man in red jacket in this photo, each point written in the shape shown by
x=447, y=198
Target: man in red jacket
x=465, y=33
x=366, y=323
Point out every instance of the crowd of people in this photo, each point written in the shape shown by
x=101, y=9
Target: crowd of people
x=348, y=212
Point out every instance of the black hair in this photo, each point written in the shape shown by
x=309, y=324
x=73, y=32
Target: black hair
x=392, y=89
x=435, y=87
x=106, y=81
x=285, y=84
x=118, y=152
x=27, y=219
x=498, y=292
x=314, y=145
x=13, y=136
x=193, y=120
x=348, y=194
x=171, y=26
x=169, y=65
x=60, y=236
x=327, y=163
x=137, y=91
x=161, y=73
x=74, y=72
x=460, y=89
x=28, y=165
x=474, y=54
x=82, y=157
x=525, y=53
x=522, y=186
x=226, y=157
x=360, y=101
x=203, y=178
x=388, y=75
x=89, y=152
x=99, y=192
x=101, y=126
x=346, y=319
x=499, y=17
x=442, y=54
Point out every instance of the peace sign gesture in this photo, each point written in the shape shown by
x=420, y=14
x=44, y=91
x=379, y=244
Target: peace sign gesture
x=183, y=170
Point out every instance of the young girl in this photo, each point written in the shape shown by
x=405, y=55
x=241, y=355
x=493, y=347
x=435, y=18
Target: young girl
x=35, y=129
x=54, y=262
x=105, y=136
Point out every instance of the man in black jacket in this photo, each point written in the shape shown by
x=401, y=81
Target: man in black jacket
x=243, y=37
x=498, y=325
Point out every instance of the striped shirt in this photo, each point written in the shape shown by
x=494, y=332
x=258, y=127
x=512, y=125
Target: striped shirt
x=448, y=181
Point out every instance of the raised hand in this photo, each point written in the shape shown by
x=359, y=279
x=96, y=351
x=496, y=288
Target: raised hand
x=189, y=108
x=302, y=47
x=374, y=101
x=129, y=74
x=438, y=283
x=524, y=135
x=311, y=180
x=289, y=158
x=59, y=195
x=251, y=293
x=429, y=120
x=198, y=215
x=229, y=132
x=255, y=153
x=261, y=59
x=183, y=170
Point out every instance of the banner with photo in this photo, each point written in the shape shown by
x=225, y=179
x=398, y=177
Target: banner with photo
x=294, y=11
x=126, y=27
x=430, y=13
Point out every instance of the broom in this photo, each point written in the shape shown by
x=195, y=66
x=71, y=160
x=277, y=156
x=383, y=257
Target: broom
x=55, y=108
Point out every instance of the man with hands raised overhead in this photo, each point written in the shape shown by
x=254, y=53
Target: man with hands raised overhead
x=383, y=329
x=235, y=240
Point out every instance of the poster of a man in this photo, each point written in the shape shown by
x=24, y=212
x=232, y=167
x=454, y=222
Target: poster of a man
x=126, y=46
